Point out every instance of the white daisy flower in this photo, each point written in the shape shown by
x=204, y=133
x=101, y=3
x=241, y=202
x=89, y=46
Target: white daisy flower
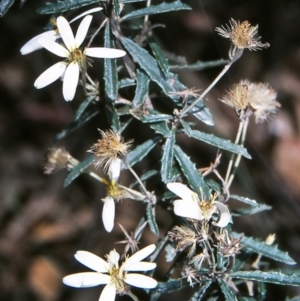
x=117, y=279
x=190, y=206
x=32, y=45
x=75, y=59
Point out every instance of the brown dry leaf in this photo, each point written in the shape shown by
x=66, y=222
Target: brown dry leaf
x=44, y=277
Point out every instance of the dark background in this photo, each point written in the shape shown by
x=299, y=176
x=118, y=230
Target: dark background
x=43, y=224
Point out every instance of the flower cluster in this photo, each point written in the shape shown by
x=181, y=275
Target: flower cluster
x=117, y=278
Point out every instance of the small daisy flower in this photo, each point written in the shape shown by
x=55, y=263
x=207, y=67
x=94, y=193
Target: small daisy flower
x=75, y=59
x=32, y=45
x=117, y=279
x=242, y=36
x=190, y=206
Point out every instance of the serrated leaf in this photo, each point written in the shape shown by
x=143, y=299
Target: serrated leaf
x=270, y=251
x=269, y=277
x=156, y=9
x=219, y=142
x=78, y=170
x=244, y=200
x=62, y=6
x=131, y=1
x=112, y=117
x=116, y=6
x=187, y=128
x=161, y=128
x=251, y=210
x=167, y=158
x=202, y=113
x=4, y=6
x=85, y=117
x=150, y=213
x=110, y=67
x=214, y=185
x=188, y=168
x=83, y=106
x=141, y=151
x=200, y=293
x=148, y=64
x=150, y=116
x=174, y=174
x=142, y=88
x=161, y=59
x=199, y=65
x=126, y=82
x=296, y=298
x=227, y=291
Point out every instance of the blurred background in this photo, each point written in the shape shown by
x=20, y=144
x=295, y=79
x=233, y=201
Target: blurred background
x=43, y=224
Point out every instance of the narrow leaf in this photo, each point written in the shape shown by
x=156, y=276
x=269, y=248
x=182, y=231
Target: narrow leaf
x=130, y=1
x=161, y=128
x=199, y=65
x=150, y=116
x=142, y=88
x=126, y=82
x=148, y=64
x=116, y=6
x=161, y=59
x=156, y=9
x=193, y=176
x=244, y=200
x=145, y=176
x=202, y=113
x=227, y=291
x=78, y=170
x=62, y=6
x=110, y=67
x=112, y=116
x=167, y=158
x=200, y=293
x=4, y=6
x=270, y=277
x=219, y=142
x=251, y=210
x=270, y=251
x=150, y=213
x=83, y=106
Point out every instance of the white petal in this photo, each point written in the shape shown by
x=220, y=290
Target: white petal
x=90, y=11
x=108, y=213
x=182, y=191
x=92, y=261
x=138, y=256
x=109, y=53
x=187, y=209
x=33, y=45
x=114, y=169
x=50, y=75
x=139, y=280
x=141, y=266
x=114, y=257
x=87, y=279
x=82, y=30
x=53, y=47
x=66, y=33
x=225, y=216
x=108, y=293
x=71, y=78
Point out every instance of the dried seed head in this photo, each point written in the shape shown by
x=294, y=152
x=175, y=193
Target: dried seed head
x=58, y=158
x=109, y=148
x=236, y=97
x=229, y=246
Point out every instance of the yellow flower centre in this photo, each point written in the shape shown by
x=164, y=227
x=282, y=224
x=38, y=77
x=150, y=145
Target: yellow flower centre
x=113, y=190
x=76, y=55
x=117, y=279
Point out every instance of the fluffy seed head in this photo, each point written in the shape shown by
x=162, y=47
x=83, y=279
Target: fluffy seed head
x=57, y=158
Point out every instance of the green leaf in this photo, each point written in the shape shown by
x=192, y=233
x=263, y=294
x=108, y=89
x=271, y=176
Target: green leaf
x=4, y=6
x=83, y=106
x=161, y=59
x=116, y=6
x=296, y=298
x=167, y=158
x=156, y=9
x=187, y=128
x=161, y=128
x=150, y=213
x=270, y=251
x=200, y=293
x=126, y=82
x=112, y=116
x=85, y=117
x=251, y=210
x=202, y=113
x=193, y=176
x=270, y=277
x=244, y=200
x=219, y=142
x=145, y=176
x=148, y=64
x=130, y=1
x=141, y=151
x=62, y=6
x=78, y=170
x=142, y=88
x=227, y=291
x=110, y=68
x=199, y=65
x=174, y=174
x=151, y=115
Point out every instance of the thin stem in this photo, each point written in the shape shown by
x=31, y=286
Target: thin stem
x=147, y=16
x=96, y=32
x=132, y=296
x=137, y=178
x=95, y=176
x=225, y=69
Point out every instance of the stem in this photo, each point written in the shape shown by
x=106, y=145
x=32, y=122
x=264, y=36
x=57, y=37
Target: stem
x=96, y=32
x=225, y=69
x=132, y=296
x=95, y=176
x=147, y=16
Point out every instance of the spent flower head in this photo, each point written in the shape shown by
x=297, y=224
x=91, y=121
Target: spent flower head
x=74, y=57
x=117, y=279
x=242, y=36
